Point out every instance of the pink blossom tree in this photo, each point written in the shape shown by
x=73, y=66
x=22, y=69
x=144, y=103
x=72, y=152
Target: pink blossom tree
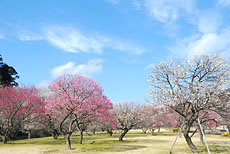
x=18, y=106
x=49, y=119
x=223, y=107
x=106, y=125
x=110, y=124
x=165, y=117
x=79, y=101
x=153, y=117
x=208, y=119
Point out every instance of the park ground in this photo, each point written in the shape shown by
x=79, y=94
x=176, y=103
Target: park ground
x=134, y=142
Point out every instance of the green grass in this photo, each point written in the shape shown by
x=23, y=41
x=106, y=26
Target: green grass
x=102, y=142
x=92, y=143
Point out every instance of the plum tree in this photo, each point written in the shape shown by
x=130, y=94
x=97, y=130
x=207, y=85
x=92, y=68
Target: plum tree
x=18, y=106
x=190, y=87
x=78, y=101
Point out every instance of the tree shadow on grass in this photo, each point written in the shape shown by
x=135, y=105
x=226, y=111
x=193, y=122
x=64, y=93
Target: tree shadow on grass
x=119, y=148
x=153, y=141
x=113, y=148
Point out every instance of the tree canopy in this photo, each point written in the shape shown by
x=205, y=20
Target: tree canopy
x=190, y=88
x=8, y=74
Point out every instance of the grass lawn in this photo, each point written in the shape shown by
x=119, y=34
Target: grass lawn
x=134, y=143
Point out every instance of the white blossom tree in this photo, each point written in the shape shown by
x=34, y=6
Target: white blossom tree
x=127, y=116
x=147, y=115
x=190, y=87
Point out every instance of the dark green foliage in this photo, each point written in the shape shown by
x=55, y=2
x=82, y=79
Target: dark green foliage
x=8, y=74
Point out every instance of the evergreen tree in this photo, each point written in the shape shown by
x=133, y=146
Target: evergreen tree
x=8, y=74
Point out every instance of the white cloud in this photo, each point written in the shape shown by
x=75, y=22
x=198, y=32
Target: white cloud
x=2, y=36
x=88, y=69
x=202, y=44
x=70, y=39
x=209, y=22
x=168, y=10
x=224, y=2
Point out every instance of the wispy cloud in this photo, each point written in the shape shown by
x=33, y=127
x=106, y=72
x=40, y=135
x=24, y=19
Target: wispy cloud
x=169, y=10
x=150, y=66
x=72, y=40
x=224, y=2
x=125, y=46
x=209, y=22
x=29, y=37
x=113, y=1
x=136, y=4
x=88, y=69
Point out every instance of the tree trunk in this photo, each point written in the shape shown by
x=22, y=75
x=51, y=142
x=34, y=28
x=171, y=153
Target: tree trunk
x=68, y=143
x=159, y=129
x=144, y=130
x=4, y=139
x=123, y=134
x=152, y=131
x=110, y=132
x=190, y=143
x=29, y=134
x=201, y=136
x=55, y=134
x=81, y=136
x=228, y=126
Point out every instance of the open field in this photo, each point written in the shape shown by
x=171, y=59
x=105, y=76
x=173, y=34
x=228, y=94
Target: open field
x=134, y=143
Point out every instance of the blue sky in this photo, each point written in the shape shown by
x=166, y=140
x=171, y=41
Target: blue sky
x=115, y=42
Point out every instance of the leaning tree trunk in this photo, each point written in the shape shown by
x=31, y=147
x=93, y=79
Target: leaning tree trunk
x=81, y=136
x=201, y=135
x=123, y=134
x=190, y=143
x=68, y=142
